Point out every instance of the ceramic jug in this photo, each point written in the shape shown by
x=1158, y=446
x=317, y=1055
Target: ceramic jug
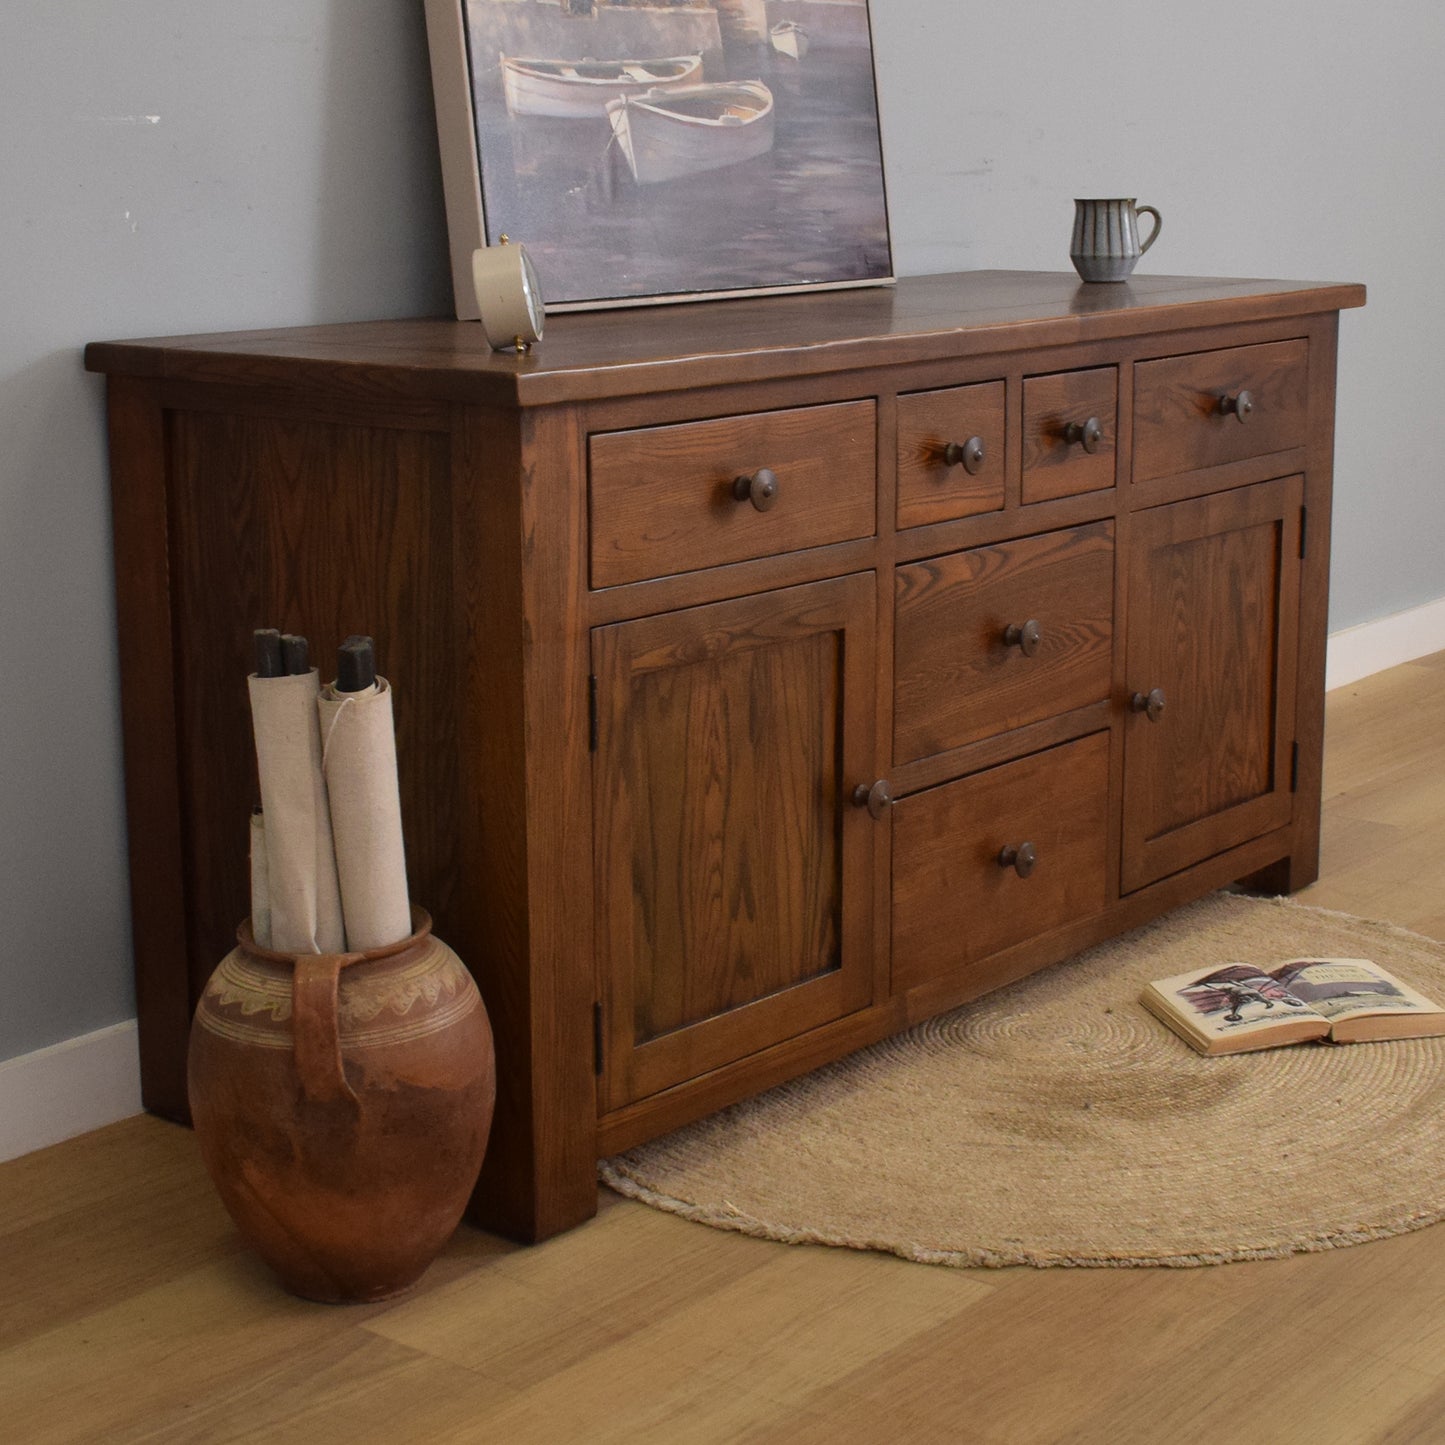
x=342, y=1103
x=1106, y=245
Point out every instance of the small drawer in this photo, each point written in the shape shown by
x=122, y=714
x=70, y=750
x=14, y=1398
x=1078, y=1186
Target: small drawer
x=998, y=637
x=1070, y=431
x=676, y=498
x=958, y=896
x=950, y=453
x=1212, y=407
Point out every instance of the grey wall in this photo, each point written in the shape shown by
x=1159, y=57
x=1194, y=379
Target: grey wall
x=167, y=166
x=191, y=165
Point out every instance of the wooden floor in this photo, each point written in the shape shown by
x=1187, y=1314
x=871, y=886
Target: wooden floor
x=129, y=1311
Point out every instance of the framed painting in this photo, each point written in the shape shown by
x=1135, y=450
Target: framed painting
x=649, y=151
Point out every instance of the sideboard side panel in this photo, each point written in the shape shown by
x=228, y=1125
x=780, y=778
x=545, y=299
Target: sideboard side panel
x=522, y=674
x=148, y=725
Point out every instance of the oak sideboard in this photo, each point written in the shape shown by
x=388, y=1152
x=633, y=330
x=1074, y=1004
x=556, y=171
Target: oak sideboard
x=770, y=674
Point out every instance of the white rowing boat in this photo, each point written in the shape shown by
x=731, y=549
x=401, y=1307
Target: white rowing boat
x=789, y=38
x=671, y=133
x=578, y=89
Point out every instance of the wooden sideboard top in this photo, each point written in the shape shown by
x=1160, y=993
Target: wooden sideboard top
x=598, y=354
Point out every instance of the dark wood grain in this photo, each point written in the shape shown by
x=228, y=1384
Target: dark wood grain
x=663, y=498
x=953, y=902
x=703, y=876
x=726, y=1085
x=732, y=897
x=549, y=558
x=1213, y=621
x=1178, y=426
x=931, y=489
x=160, y=900
x=1054, y=466
x=678, y=348
x=957, y=680
x=325, y=531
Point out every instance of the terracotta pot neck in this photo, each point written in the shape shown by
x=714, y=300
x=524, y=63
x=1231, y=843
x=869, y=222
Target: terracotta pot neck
x=421, y=925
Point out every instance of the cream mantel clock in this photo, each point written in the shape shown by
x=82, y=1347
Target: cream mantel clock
x=508, y=295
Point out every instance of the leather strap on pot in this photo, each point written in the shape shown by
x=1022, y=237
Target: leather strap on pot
x=315, y=1028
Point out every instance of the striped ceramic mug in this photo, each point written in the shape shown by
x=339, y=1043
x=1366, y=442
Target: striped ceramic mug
x=1106, y=238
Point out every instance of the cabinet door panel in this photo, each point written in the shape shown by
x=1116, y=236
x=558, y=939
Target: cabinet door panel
x=1213, y=624
x=732, y=874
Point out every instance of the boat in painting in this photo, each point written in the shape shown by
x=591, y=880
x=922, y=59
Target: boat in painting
x=789, y=38
x=581, y=89
x=665, y=134
x=831, y=24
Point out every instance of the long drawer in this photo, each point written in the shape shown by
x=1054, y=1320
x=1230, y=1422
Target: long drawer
x=998, y=857
x=696, y=494
x=1212, y=407
x=997, y=637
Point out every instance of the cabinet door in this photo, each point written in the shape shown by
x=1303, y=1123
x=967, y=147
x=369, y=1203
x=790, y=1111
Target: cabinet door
x=734, y=877
x=1213, y=625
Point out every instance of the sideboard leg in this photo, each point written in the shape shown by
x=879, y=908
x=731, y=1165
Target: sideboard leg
x=1287, y=875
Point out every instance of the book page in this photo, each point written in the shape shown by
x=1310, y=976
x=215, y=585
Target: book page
x=1234, y=999
x=1347, y=987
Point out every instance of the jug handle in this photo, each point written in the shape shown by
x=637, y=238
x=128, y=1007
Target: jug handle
x=1158, y=225
x=315, y=1027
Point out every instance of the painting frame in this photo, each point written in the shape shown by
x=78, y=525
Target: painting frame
x=807, y=212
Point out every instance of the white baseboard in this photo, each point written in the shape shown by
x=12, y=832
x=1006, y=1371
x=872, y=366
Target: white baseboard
x=1356, y=652
x=68, y=1089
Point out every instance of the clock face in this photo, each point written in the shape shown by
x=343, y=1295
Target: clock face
x=509, y=297
x=532, y=292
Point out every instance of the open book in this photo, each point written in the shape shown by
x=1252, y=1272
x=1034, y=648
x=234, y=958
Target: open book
x=1234, y=1007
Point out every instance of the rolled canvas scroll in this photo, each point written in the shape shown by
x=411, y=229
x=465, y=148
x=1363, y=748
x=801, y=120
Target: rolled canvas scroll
x=359, y=759
x=300, y=859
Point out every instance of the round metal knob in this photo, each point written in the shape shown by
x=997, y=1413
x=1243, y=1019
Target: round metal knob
x=761, y=489
x=1150, y=703
x=877, y=799
x=1025, y=636
x=1088, y=434
x=1021, y=859
x=971, y=453
x=1240, y=406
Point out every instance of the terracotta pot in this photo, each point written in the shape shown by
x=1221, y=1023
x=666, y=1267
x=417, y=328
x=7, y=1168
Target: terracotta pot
x=342, y=1104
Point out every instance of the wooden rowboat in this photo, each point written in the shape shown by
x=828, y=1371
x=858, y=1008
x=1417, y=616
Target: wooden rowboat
x=670, y=133
x=789, y=38
x=579, y=89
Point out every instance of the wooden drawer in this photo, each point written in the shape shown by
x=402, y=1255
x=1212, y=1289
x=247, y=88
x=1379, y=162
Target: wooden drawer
x=1178, y=424
x=956, y=676
x=663, y=499
x=955, y=902
x=1058, y=435
x=950, y=453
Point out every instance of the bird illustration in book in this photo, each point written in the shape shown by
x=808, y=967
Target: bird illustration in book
x=1233, y=989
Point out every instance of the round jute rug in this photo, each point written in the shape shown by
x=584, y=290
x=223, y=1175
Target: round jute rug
x=1057, y=1123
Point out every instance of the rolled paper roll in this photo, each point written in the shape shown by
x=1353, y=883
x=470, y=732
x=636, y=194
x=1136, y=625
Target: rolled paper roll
x=359, y=758
x=267, y=641
x=260, y=887
x=300, y=858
